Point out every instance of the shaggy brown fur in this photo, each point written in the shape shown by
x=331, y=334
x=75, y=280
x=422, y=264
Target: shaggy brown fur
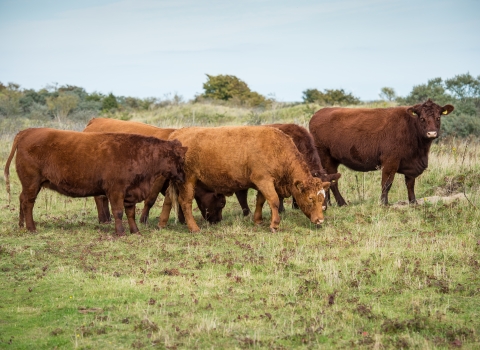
x=121, y=166
x=209, y=203
x=396, y=140
x=306, y=146
x=230, y=159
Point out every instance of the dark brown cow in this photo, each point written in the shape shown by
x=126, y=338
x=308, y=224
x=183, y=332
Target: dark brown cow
x=397, y=140
x=230, y=159
x=209, y=203
x=305, y=144
x=121, y=166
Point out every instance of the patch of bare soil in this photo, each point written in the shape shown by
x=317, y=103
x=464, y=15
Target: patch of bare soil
x=433, y=200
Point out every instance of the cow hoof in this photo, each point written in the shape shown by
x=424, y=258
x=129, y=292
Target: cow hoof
x=273, y=230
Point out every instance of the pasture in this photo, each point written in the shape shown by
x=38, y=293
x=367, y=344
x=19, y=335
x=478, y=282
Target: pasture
x=371, y=276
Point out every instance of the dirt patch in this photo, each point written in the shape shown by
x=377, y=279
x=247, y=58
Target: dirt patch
x=433, y=200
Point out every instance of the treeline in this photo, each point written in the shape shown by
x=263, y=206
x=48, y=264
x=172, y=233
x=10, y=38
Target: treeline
x=69, y=102
x=72, y=102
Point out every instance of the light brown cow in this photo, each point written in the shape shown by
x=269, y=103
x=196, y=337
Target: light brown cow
x=209, y=203
x=121, y=166
x=230, y=159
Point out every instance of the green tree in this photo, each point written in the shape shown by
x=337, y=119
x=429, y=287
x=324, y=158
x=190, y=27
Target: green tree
x=231, y=88
x=62, y=105
x=10, y=96
x=329, y=97
x=110, y=102
x=387, y=94
x=433, y=89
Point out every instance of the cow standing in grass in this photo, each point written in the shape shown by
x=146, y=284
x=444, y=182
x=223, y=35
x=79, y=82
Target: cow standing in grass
x=230, y=159
x=209, y=203
x=305, y=144
x=122, y=167
x=396, y=140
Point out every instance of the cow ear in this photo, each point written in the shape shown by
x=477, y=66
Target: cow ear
x=411, y=112
x=299, y=185
x=326, y=185
x=447, y=109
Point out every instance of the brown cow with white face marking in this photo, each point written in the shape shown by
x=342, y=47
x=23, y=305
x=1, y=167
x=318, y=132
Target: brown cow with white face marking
x=230, y=159
x=121, y=166
x=305, y=144
x=397, y=140
x=209, y=203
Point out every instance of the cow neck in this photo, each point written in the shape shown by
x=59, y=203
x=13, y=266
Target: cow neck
x=299, y=172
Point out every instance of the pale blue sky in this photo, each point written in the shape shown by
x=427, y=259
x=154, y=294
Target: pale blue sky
x=150, y=48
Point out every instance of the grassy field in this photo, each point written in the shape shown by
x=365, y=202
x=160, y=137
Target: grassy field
x=371, y=277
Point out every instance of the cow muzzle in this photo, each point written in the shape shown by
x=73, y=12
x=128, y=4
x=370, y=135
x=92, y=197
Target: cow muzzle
x=431, y=134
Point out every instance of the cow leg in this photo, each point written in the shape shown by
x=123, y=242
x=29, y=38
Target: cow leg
x=152, y=198
x=102, y=209
x=180, y=216
x=268, y=191
x=186, y=193
x=281, y=207
x=410, y=183
x=294, y=203
x=331, y=167
x=388, y=174
x=242, y=199
x=165, y=214
x=257, y=216
x=27, y=201
x=130, y=211
x=116, y=201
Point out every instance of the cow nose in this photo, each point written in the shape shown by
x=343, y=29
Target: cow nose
x=319, y=221
x=431, y=134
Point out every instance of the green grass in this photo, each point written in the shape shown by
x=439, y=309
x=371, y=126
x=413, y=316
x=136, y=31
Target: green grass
x=370, y=277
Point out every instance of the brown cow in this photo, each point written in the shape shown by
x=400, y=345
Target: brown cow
x=305, y=144
x=230, y=159
x=121, y=166
x=209, y=203
x=397, y=140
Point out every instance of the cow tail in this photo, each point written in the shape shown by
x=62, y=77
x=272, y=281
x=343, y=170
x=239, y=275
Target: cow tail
x=6, y=172
x=172, y=192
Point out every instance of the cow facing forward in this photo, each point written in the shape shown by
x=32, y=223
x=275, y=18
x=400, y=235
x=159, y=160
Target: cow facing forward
x=397, y=140
x=209, y=203
x=230, y=159
x=121, y=166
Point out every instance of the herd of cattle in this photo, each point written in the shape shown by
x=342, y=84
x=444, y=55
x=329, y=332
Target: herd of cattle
x=125, y=162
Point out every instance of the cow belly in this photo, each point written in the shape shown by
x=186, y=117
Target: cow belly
x=224, y=183
x=74, y=190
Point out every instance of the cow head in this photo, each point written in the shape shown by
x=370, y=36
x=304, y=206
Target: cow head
x=176, y=161
x=428, y=117
x=310, y=197
x=211, y=205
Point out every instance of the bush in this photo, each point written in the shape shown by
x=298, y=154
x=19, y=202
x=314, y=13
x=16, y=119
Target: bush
x=329, y=97
x=109, y=103
x=230, y=88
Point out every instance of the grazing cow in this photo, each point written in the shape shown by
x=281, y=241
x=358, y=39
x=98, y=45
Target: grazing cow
x=305, y=144
x=121, y=166
x=230, y=159
x=397, y=140
x=209, y=203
